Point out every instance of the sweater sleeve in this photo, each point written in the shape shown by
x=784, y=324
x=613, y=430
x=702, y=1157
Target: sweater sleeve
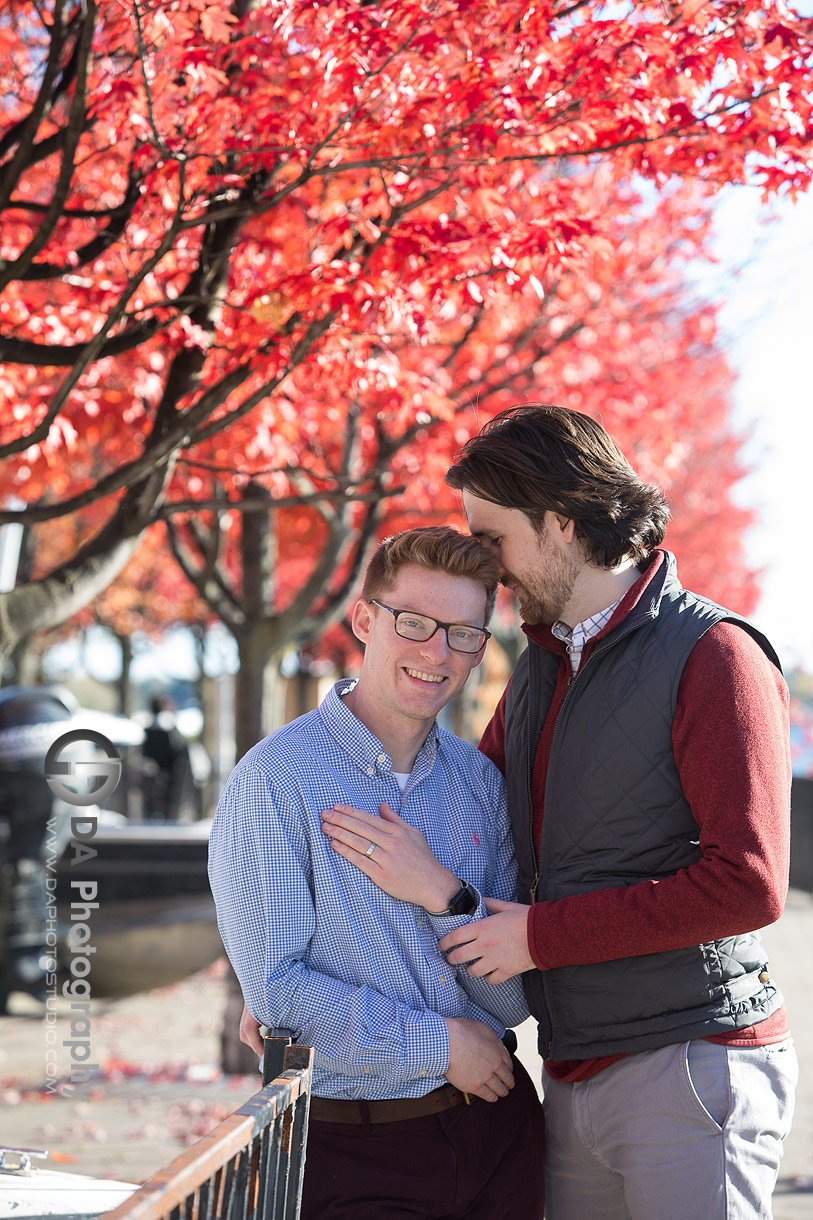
x=731, y=744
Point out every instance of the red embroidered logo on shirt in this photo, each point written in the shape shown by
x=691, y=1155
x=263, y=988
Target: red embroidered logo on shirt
x=476, y=840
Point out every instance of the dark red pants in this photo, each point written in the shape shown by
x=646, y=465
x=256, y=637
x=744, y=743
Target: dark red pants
x=485, y=1161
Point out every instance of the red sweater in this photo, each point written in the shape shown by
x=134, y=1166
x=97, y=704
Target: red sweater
x=731, y=746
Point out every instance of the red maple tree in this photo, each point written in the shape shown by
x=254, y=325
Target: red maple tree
x=629, y=343
x=243, y=237
x=199, y=198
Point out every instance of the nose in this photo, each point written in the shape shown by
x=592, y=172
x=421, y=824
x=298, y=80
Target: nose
x=436, y=648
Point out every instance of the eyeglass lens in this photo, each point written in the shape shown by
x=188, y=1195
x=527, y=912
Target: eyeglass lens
x=420, y=627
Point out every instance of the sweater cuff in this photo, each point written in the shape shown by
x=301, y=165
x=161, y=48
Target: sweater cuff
x=535, y=934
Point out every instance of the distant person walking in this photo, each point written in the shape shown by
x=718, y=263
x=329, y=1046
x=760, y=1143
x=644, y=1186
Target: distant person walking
x=169, y=779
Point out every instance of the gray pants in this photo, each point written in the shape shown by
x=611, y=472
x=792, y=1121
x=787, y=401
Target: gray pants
x=688, y=1132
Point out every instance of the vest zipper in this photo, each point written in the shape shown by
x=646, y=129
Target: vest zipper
x=529, y=782
x=531, y=758
x=574, y=679
x=534, y=856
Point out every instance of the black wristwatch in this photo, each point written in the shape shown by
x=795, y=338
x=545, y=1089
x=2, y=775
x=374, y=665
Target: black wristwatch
x=463, y=902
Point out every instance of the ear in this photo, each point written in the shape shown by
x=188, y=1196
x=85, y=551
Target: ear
x=361, y=620
x=565, y=525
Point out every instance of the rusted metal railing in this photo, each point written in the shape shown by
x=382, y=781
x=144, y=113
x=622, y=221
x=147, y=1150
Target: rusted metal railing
x=248, y=1168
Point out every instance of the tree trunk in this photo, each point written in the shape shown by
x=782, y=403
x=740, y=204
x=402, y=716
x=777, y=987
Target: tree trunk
x=17, y=668
x=24, y=663
x=236, y=1058
x=255, y=713
x=124, y=690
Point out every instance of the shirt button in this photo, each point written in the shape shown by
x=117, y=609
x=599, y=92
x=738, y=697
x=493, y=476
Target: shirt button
x=420, y=923
x=422, y=1072
x=441, y=981
x=382, y=758
x=371, y=770
x=366, y=1071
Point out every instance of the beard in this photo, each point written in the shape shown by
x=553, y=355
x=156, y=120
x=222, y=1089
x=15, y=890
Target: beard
x=544, y=593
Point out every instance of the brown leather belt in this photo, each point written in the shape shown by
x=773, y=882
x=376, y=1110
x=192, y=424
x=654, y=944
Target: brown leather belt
x=389, y=1110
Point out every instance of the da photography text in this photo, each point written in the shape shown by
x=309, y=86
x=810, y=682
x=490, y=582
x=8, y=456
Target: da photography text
x=84, y=893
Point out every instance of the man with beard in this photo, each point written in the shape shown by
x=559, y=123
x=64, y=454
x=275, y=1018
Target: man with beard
x=644, y=741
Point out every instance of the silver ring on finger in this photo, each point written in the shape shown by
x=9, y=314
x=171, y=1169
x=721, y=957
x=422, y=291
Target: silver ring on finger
x=370, y=850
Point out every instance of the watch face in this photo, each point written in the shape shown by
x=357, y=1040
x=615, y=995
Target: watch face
x=463, y=902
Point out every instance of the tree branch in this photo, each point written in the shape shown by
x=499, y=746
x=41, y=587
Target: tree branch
x=32, y=205
x=42, y=149
x=206, y=430
x=208, y=581
x=90, y=352
x=23, y=133
x=334, y=603
x=73, y=131
x=56, y=355
x=97, y=245
x=47, y=602
x=304, y=499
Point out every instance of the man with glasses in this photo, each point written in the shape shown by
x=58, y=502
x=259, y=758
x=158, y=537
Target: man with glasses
x=418, y=1108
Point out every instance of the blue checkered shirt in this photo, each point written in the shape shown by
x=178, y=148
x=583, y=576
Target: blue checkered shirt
x=317, y=947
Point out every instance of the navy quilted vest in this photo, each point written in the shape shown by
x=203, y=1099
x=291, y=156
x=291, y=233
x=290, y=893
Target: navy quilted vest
x=615, y=814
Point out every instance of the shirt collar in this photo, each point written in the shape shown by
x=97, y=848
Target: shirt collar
x=576, y=639
x=586, y=629
x=362, y=746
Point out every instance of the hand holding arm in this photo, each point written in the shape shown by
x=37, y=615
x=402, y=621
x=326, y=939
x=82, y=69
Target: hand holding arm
x=478, y=1061
x=497, y=947
x=403, y=865
x=259, y=868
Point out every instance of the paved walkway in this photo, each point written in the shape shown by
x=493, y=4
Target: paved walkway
x=790, y=950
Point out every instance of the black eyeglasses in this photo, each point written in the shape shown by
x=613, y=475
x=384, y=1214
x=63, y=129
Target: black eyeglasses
x=421, y=627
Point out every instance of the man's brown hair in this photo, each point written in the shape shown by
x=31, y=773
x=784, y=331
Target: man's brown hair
x=540, y=458
x=439, y=548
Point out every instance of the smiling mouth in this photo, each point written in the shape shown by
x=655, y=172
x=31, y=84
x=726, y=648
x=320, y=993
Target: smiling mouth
x=424, y=677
